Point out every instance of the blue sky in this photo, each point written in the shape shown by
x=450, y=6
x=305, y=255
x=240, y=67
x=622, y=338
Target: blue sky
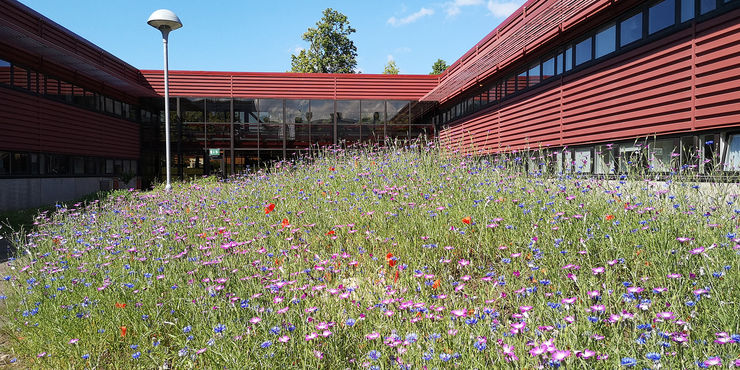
x=260, y=36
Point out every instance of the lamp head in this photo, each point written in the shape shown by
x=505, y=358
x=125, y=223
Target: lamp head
x=164, y=19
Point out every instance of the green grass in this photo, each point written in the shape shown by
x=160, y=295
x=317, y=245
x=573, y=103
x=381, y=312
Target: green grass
x=441, y=256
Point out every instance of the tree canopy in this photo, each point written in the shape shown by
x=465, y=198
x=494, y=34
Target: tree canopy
x=438, y=67
x=330, y=49
x=390, y=68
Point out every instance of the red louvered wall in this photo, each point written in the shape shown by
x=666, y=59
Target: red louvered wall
x=32, y=123
x=685, y=82
x=292, y=85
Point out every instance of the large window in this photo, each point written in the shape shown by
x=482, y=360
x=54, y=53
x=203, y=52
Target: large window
x=398, y=112
x=687, y=10
x=661, y=16
x=218, y=110
x=630, y=29
x=296, y=111
x=348, y=112
x=583, y=51
x=270, y=110
x=4, y=72
x=606, y=41
x=322, y=112
x=732, y=160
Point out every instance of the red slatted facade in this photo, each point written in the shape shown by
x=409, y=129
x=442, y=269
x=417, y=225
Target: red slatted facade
x=32, y=123
x=684, y=82
x=292, y=85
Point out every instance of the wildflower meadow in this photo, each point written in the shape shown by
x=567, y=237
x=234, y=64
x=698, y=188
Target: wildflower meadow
x=403, y=257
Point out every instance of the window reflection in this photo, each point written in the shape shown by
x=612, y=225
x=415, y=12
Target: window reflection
x=630, y=29
x=322, y=112
x=296, y=111
x=348, y=112
x=661, y=15
x=606, y=41
x=583, y=51
x=373, y=112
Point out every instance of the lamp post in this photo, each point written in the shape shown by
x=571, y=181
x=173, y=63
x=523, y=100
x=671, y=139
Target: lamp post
x=165, y=21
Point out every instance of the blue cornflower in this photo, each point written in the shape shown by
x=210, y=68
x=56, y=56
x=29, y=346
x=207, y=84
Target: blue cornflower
x=628, y=361
x=653, y=356
x=187, y=329
x=219, y=328
x=445, y=357
x=350, y=322
x=412, y=337
x=85, y=356
x=480, y=345
x=275, y=330
x=373, y=355
x=266, y=344
x=136, y=355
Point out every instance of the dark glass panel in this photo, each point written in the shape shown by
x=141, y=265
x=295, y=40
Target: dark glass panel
x=688, y=10
x=349, y=133
x=373, y=112
x=568, y=59
x=20, y=164
x=191, y=109
x=521, y=81
x=4, y=72
x=66, y=92
x=4, y=163
x=630, y=29
x=219, y=135
x=36, y=82
x=661, y=16
x=218, y=110
x=79, y=97
x=606, y=41
x=271, y=136
x=117, y=107
x=78, y=166
x=322, y=134
x=348, y=112
x=548, y=68
x=322, y=112
x=20, y=77
x=298, y=135
x=246, y=160
x=493, y=93
x=534, y=75
x=246, y=135
x=58, y=164
x=109, y=103
x=35, y=161
x=373, y=133
x=271, y=110
x=583, y=51
x=245, y=110
x=296, y=111
x=509, y=86
x=398, y=112
x=90, y=166
x=706, y=6
x=268, y=156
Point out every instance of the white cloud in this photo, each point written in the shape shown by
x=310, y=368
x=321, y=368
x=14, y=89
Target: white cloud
x=402, y=49
x=390, y=57
x=453, y=8
x=423, y=12
x=295, y=50
x=503, y=9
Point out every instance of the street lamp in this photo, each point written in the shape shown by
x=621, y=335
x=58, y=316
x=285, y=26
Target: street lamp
x=165, y=21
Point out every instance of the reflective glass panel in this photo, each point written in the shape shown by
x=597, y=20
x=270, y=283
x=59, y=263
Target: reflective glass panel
x=398, y=112
x=521, y=80
x=548, y=68
x=322, y=112
x=4, y=163
x=20, y=77
x=373, y=112
x=296, y=111
x=534, y=75
x=687, y=10
x=218, y=110
x=706, y=6
x=606, y=41
x=245, y=110
x=583, y=51
x=568, y=59
x=4, y=72
x=348, y=112
x=271, y=110
x=661, y=15
x=732, y=161
x=191, y=109
x=630, y=29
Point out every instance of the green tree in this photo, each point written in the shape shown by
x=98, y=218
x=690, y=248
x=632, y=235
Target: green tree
x=438, y=67
x=390, y=68
x=330, y=49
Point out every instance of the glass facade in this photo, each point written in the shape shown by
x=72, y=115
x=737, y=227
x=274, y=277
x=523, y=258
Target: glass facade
x=227, y=136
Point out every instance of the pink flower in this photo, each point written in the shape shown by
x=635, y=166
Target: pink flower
x=459, y=313
x=697, y=250
x=372, y=336
x=536, y=351
x=713, y=361
x=569, y=319
x=598, y=270
x=284, y=339
x=570, y=300
x=452, y=332
x=665, y=315
x=524, y=309
x=311, y=336
x=593, y=293
x=255, y=320
x=598, y=308
x=586, y=354
x=560, y=355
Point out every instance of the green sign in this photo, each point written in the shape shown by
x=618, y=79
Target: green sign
x=214, y=152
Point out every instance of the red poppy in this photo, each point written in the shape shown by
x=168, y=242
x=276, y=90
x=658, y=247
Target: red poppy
x=123, y=331
x=330, y=232
x=395, y=280
x=270, y=208
x=331, y=168
x=285, y=222
x=467, y=220
x=609, y=217
x=389, y=256
x=120, y=305
x=391, y=263
x=436, y=284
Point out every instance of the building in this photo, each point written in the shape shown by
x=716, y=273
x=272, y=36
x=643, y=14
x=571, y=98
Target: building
x=582, y=82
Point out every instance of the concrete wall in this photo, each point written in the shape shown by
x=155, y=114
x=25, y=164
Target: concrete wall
x=35, y=192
